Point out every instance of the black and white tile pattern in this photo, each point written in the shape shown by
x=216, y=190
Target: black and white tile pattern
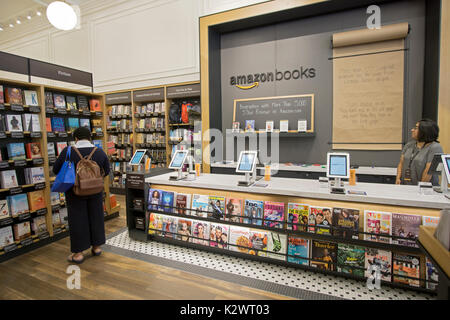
x=319, y=285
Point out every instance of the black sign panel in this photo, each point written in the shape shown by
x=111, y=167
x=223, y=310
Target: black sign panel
x=35, y=134
x=18, y=135
x=118, y=98
x=20, y=163
x=35, y=109
x=60, y=73
x=49, y=110
x=38, y=161
x=4, y=164
x=2, y=135
x=12, y=63
x=2, y=107
x=17, y=107
x=186, y=91
x=149, y=95
x=135, y=181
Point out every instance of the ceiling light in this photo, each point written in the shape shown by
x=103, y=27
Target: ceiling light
x=1, y=28
x=29, y=17
x=11, y=25
x=39, y=13
x=18, y=21
x=61, y=15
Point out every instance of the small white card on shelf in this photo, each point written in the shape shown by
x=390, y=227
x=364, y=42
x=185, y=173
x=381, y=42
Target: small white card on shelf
x=284, y=125
x=302, y=125
x=269, y=126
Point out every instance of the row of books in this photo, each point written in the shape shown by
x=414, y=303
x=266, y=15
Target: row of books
x=324, y=255
x=69, y=102
x=159, y=107
x=122, y=138
x=119, y=124
x=151, y=123
x=341, y=222
x=21, y=151
x=18, y=96
x=124, y=153
x=62, y=144
x=181, y=134
x=8, y=178
x=116, y=110
x=284, y=126
x=22, y=203
x=119, y=166
x=157, y=155
x=58, y=124
x=180, y=146
x=20, y=123
x=150, y=138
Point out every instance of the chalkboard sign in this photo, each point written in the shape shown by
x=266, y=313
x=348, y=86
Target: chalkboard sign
x=292, y=108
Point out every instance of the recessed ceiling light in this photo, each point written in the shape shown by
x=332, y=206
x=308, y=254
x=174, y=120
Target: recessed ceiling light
x=29, y=17
x=61, y=15
x=18, y=21
x=1, y=29
x=39, y=13
x=11, y=25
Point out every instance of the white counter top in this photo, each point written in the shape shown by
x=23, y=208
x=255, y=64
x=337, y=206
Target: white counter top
x=397, y=195
x=375, y=171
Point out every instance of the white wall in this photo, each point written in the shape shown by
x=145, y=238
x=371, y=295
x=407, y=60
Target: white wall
x=124, y=43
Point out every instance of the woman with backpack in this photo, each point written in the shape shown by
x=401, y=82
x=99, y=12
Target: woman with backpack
x=85, y=212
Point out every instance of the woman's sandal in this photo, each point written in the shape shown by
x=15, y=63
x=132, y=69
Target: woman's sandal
x=71, y=259
x=96, y=253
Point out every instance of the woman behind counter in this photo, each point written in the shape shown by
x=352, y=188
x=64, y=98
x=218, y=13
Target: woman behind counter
x=417, y=154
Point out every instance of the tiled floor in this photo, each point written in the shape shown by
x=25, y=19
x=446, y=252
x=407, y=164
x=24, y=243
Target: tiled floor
x=288, y=278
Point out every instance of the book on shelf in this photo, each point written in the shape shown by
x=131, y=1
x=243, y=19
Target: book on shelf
x=83, y=104
x=8, y=179
x=71, y=103
x=239, y=239
x=18, y=204
x=216, y=207
x=406, y=265
x=39, y=225
x=377, y=222
x=154, y=222
x=6, y=236
x=49, y=100
x=54, y=198
x=234, y=209
x=13, y=96
x=14, y=123
x=323, y=220
x=36, y=200
x=182, y=203
x=56, y=219
x=73, y=123
x=274, y=214
x=284, y=125
x=169, y=226
x=85, y=123
x=276, y=245
x=26, y=122
x=406, y=226
x=347, y=220
x=98, y=143
x=253, y=212
x=431, y=273
x=34, y=175
x=2, y=97
x=200, y=204
x=200, y=232
x=298, y=248
x=4, y=209
x=31, y=97
x=33, y=150
x=302, y=125
x=258, y=242
x=16, y=151
x=167, y=201
x=154, y=199
x=63, y=216
x=297, y=216
x=269, y=126
x=94, y=105
x=249, y=125
x=22, y=230
x=323, y=255
x=3, y=127
x=51, y=149
x=351, y=259
x=235, y=127
x=58, y=124
x=218, y=235
x=184, y=232
x=48, y=124
x=60, y=147
x=429, y=221
x=59, y=101
x=377, y=259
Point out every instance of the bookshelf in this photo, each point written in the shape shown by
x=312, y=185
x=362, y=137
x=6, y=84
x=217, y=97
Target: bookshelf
x=40, y=136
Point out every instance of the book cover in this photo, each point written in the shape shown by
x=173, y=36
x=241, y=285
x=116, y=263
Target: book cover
x=154, y=199
x=169, y=226
x=249, y=125
x=22, y=230
x=216, y=207
x=51, y=149
x=27, y=124
x=379, y=260
x=36, y=175
x=258, y=242
x=56, y=219
x=8, y=179
x=234, y=209
x=284, y=125
x=323, y=220
x=297, y=216
x=49, y=100
x=98, y=143
x=200, y=204
x=71, y=103
x=431, y=274
x=200, y=232
x=60, y=147
x=273, y=214
x=13, y=96
x=3, y=123
x=302, y=125
x=58, y=124
x=155, y=224
x=39, y=225
x=167, y=201
x=406, y=265
x=406, y=226
x=2, y=97
x=94, y=105
x=298, y=248
x=276, y=245
x=239, y=239
x=59, y=101
x=253, y=211
x=350, y=259
x=14, y=123
x=430, y=221
x=33, y=150
x=73, y=123
x=31, y=97
x=184, y=230
x=64, y=216
x=378, y=223
x=85, y=123
x=35, y=123
x=218, y=235
x=182, y=203
x=6, y=237
x=346, y=222
x=48, y=124
x=36, y=200
x=323, y=255
x=54, y=198
x=83, y=104
x=236, y=127
x=269, y=126
x=4, y=209
x=16, y=151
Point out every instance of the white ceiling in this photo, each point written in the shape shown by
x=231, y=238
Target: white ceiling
x=12, y=9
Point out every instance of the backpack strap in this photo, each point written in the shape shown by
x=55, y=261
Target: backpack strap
x=77, y=152
x=91, y=154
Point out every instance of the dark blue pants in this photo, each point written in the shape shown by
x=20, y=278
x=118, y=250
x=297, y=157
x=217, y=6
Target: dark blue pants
x=86, y=221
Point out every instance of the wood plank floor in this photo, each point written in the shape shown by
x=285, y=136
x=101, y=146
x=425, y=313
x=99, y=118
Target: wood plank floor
x=41, y=274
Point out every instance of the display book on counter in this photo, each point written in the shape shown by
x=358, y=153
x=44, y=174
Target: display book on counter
x=325, y=238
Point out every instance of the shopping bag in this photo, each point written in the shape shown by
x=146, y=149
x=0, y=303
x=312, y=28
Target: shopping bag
x=66, y=176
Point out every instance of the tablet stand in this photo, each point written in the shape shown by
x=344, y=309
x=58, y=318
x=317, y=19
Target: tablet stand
x=337, y=187
x=250, y=178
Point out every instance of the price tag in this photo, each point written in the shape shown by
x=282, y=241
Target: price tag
x=20, y=163
x=26, y=242
x=56, y=207
x=49, y=110
x=10, y=248
x=17, y=107
x=99, y=134
x=17, y=135
x=57, y=231
x=50, y=134
x=15, y=190
x=62, y=134
x=2, y=107
x=52, y=159
x=2, y=135
x=35, y=134
x=98, y=113
x=35, y=109
x=41, y=212
x=62, y=111
x=74, y=112
x=24, y=216
x=39, y=186
x=86, y=113
x=44, y=235
x=38, y=161
x=4, y=164
x=6, y=221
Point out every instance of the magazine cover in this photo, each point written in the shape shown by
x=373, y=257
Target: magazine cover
x=350, y=256
x=253, y=211
x=239, y=239
x=6, y=237
x=234, y=208
x=167, y=201
x=431, y=274
x=276, y=245
x=323, y=255
x=200, y=230
x=182, y=203
x=430, y=221
x=258, y=242
x=406, y=226
x=273, y=214
x=154, y=199
x=297, y=217
x=406, y=265
x=249, y=125
x=184, y=230
x=381, y=260
x=378, y=223
x=155, y=223
x=298, y=247
x=218, y=235
x=169, y=226
x=347, y=220
x=200, y=205
x=18, y=204
x=323, y=219
x=4, y=209
x=216, y=207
